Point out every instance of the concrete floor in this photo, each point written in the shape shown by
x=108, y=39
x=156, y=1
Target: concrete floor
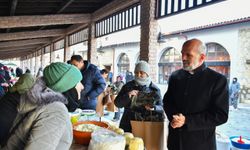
x=238, y=122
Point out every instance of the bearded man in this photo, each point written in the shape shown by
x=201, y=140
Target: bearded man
x=196, y=101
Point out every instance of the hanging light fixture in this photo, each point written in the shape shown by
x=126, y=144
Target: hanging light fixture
x=161, y=38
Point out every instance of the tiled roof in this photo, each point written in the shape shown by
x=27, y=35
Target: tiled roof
x=208, y=26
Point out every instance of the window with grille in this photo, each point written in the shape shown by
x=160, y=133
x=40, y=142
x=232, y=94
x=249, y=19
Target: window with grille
x=46, y=50
x=169, y=62
x=218, y=59
x=121, y=20
x=170, y=7
x=78, y=37
x=59, y=45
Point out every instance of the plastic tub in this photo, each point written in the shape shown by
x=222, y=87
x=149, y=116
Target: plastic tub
x=82, y=137
x=222, y=142
x=240, y=146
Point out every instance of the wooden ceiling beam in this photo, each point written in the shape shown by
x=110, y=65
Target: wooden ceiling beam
x=18, y=51
x=64, y=6
x=43, y=20
x=24, y=42
x=9, y=56
x=31, y=34
x=75, y=28
x=20, y=48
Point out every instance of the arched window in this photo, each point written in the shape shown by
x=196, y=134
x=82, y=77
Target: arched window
x=169, y=62
x=218, y=59
x=123, y=63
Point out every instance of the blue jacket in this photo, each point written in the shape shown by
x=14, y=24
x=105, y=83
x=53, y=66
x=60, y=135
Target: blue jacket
x=94, y=85
x=234, y=90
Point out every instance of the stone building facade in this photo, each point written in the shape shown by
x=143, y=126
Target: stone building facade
x=235, y=39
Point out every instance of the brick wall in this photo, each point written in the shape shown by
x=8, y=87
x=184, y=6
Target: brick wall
x=148, y=44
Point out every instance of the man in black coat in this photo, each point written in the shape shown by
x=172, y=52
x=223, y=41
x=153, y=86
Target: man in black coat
x=196, y=101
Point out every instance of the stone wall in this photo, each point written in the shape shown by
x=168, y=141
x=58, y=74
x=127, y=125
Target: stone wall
x=243, y=65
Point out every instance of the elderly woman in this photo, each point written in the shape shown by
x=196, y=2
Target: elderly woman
x=133, y=90
x=42, y=122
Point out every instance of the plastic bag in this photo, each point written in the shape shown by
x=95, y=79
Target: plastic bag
x=104, y=139
x=144, y=98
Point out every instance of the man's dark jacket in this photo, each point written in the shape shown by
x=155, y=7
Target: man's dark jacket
x=94, y=85
x=202, y=98
x=8, y=112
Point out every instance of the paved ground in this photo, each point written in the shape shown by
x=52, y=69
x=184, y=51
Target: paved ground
x=238, y=122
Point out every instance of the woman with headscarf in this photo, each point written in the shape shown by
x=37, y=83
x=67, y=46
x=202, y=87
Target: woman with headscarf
x=141, y=85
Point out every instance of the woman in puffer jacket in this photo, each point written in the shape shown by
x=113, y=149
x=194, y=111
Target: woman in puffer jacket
x=140, y=87
x=42, y=122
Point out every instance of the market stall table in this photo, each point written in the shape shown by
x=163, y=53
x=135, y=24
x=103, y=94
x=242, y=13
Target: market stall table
x=76, y=146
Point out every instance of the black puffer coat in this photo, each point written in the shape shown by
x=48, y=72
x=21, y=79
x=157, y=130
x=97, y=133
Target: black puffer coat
x=123, y=100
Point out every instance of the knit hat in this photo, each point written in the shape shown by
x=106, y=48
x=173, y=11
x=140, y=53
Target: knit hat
x=61, y=77
x=142, y=66
x=19, y=72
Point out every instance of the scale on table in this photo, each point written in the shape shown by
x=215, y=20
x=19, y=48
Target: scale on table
x=88, y=113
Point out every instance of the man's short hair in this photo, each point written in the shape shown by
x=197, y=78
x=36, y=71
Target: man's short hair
x=68, y=61
x=104, y=71
x=76, y=57
x=202, y=47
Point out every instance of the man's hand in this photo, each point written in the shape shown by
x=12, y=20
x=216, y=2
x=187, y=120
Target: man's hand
x=133, y=93
x=178, y=121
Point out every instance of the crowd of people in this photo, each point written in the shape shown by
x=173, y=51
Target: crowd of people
x=34, y=110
